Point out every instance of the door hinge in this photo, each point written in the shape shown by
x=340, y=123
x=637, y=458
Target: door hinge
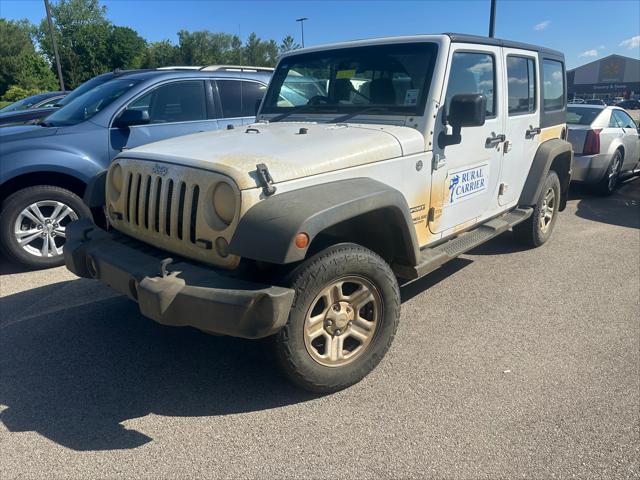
x=503, y=188
x=438, y=161
x=433, y=214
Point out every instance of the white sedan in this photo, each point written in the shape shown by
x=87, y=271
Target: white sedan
x=606, y=144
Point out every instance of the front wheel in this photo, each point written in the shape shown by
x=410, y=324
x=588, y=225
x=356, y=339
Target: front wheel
x=33, y=223
x=537, y=229
x=343, y=320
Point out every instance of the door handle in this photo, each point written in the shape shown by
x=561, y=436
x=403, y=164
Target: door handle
x=532, y=132
x=494, y=140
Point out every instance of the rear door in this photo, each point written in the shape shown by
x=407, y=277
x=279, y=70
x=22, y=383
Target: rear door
x=465, y=176
x=630, y=140
x=522, y=127
x=239, y=99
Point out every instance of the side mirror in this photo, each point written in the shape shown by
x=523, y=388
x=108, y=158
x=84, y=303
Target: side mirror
x=465, y=110
x=129, y=118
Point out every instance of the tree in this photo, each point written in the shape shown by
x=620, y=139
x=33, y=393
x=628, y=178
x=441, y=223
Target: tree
x=161, y=54
x=127, y=48
x=207, y=48
x=260, y=53
x=288, y=44
x=20, y=64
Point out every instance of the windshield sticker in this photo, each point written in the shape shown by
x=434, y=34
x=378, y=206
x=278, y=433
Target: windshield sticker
x=345, y=74
x=411, y=97
x=467, y=183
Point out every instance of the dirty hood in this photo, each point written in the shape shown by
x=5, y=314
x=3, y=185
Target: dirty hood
x=289, y=150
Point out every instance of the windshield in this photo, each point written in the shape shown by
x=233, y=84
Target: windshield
x=86, y=106
x=25, y=103
x=83, y=88
x=393, y=78
x=582, y=115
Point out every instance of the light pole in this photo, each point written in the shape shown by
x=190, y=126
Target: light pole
x=492, y=19
x=54, y=44
x=301, y=20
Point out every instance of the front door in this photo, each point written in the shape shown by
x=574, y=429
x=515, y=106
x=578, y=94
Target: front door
x=465, y=177
x=522, y=127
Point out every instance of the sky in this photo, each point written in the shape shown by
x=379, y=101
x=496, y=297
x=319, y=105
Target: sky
x=584, y=30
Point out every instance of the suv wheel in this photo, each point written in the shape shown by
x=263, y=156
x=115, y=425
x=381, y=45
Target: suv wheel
x=33, y=222
x=343, y=319
x=537, y=229
x=609, y=182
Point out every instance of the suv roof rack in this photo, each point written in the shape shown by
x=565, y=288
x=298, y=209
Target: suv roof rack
x=180, y=67
x=235, y=68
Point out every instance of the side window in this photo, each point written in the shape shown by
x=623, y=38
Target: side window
x=473, y=73
x=624, y=119
x=613, y=121
x=252, y=93
x=230, y=97
x=553, y=79
x=174, y=102
x=521, y=73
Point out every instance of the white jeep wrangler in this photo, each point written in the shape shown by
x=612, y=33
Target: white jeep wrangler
x=372, y=162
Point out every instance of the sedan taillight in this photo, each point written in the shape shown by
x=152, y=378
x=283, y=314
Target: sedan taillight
x=592, y=142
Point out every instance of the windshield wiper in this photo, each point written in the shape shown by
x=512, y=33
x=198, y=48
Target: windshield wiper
x=298, y=109
x=344, y=118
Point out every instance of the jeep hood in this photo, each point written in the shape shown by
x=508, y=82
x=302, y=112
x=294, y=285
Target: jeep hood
x=289, y=150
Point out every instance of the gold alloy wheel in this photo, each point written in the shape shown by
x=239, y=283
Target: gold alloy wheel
x=342, y=321
x=547, y=210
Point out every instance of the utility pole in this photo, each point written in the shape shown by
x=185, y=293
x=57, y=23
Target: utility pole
x=301, y=20
x=54, y=44
x=492, y=19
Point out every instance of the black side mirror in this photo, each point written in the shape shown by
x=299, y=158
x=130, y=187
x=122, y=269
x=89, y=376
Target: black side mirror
x=129, y=118
x=465, y=110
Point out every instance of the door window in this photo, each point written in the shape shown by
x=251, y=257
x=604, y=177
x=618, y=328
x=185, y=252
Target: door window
x=174, y=102
x=553, y=91
x=473, y=73
x=252, y=93
x=521, y=73
x=624, y=120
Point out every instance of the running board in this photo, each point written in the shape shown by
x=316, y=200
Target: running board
x=433, y=258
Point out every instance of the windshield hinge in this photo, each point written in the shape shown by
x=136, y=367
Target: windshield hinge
x=265, y=180
x=438, y=161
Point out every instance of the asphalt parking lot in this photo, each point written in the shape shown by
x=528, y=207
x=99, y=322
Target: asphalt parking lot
x=508, y=363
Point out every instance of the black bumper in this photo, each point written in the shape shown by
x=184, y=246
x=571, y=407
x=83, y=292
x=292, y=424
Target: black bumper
x=188, y=295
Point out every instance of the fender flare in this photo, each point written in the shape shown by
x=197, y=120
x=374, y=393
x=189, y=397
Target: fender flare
x=542, y=162
x=267, y=230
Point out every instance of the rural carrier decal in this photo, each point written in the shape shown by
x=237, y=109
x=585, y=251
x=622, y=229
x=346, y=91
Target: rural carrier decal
x=467, y=183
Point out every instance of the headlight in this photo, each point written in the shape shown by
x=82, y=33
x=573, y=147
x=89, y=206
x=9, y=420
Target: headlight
x=116, y=181
x=224, y=202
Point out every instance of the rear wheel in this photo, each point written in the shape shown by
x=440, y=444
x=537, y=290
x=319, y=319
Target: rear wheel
x=343, y=319
x=537, y=229
x=33, y=223
x=608, y=184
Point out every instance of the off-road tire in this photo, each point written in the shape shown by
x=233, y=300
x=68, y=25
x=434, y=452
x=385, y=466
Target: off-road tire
x=529, y=232
x=308, y=280
x=16, y=203
x=607, y=185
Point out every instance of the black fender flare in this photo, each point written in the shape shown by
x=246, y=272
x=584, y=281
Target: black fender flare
x=94, y=194
x=544, y=158
x=267, y=230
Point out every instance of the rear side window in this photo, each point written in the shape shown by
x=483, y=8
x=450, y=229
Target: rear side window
x=473, y=73
x=521, y=72
x=624, y=120
x=252, y=93
x=239, y=98
x=553, y=80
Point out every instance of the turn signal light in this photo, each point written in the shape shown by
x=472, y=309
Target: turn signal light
x=302, y=240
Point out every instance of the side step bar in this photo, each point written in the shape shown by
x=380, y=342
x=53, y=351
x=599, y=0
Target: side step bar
x=433, y=258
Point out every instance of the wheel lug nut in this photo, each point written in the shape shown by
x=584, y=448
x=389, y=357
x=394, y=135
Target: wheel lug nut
x=336, y=308
x=329, y=322
x=338, y=332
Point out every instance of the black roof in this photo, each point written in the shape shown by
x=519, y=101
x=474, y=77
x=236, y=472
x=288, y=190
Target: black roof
x=498, y=42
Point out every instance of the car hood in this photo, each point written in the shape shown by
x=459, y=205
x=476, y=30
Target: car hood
x=21, y=132
x=289, y=150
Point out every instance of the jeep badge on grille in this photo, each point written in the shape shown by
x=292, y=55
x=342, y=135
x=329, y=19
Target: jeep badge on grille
x=160, y=170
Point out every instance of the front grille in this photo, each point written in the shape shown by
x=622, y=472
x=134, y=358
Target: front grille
x=170, y=207
x=163, y=205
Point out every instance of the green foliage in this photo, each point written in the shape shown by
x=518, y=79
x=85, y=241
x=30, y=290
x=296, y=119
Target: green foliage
x=160, y=54
x=288, y=44
x=127, y=48
x=15, y=93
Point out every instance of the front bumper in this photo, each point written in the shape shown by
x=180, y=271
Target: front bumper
x=590, y=168
x=186, y=295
